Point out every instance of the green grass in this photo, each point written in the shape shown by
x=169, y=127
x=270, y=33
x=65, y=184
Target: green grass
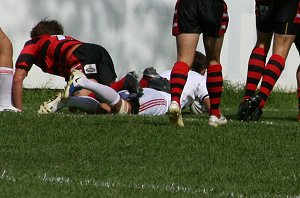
x=77, y=155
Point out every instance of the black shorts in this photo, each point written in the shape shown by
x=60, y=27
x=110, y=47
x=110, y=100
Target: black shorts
x=277, y=16
x=97, y=63
x=209, y=17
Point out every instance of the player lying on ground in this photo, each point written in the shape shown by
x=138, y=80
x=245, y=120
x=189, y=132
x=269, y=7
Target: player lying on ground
x=59, y=54
x=150, y=79
x=152, y=102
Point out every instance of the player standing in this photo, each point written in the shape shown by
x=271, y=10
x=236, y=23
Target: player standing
x=6, y=73
x=191, y=18
x=282, y=19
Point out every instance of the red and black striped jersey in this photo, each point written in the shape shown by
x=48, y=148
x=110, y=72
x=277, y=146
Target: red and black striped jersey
x=47, y=52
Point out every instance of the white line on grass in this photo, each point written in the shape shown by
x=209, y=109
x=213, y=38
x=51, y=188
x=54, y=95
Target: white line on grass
x=173, y=187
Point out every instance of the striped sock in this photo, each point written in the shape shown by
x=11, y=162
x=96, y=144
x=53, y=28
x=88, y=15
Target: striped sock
x=256, y=66
x=272, y=72
x=178, y=79
x=215, y=87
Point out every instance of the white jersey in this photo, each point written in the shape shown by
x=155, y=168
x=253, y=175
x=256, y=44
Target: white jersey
x=154, y=102
x=195, y=87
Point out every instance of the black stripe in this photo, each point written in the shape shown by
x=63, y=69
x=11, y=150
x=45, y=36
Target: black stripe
x=258, y=57
x=177, y=85
x=271, y=74
x=28, y=58
x=250, y=92
x=176, y=95
x=23, y=67
x=214, y=84
x=44, y=54
x=179, y=76
x=57, y=50
x=215, y=106
x=60, y=58
x=214, y=74
x=263, y=96
x=204, y=97
x=254, y=68
x=215, y=95
x=277, y=64
x=33, y=41
x=267, y=85
x=253, y=80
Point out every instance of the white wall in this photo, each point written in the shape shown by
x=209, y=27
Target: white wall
x=137, y=33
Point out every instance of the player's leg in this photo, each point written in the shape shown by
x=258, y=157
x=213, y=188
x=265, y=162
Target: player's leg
x=272, y=72
x=83, y=103
x=6, y=73
x=186, y=48
x=103, y=92
x=214, y=80
x=256, y=63
x=286, y=28
x=275, y=65
x=256, y=67
x=257, y=59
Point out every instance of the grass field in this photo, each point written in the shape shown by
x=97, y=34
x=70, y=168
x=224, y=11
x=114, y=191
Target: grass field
x=77, y=155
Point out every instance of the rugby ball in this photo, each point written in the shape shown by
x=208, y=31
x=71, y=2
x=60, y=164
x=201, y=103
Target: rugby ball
x=198, y=107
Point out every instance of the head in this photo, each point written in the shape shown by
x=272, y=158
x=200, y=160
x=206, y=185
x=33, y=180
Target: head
x=199, y=65
x=47, y=26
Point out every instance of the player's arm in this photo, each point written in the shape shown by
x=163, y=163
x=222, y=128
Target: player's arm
x=17, y=87
x=206, y=103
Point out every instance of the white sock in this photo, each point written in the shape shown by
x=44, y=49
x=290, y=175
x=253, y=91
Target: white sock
x=6, y=77
x=83, y=103
x=103, y=92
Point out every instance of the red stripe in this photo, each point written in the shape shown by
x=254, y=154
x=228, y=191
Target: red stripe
x=175, y=27
x=152, y=103
x=297, y=17
x=255, y=75
x=251, y=87
x=214, y=79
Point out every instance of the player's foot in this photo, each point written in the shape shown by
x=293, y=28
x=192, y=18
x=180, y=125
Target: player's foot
x=151, y=73
x=73, y=84
x=243, y=110
x=9, y=108
x=50, y=106
x=215, y=121
x=175, y=114
x=254, y=111
x=132, y=85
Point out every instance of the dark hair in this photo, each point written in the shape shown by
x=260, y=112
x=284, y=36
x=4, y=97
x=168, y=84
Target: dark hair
x=199, y=62
x=47, y=26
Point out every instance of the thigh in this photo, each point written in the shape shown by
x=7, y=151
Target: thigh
x=97, y=63
x=282, y=44
x=213, y=47
x=186, y=47
x=264, y=40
